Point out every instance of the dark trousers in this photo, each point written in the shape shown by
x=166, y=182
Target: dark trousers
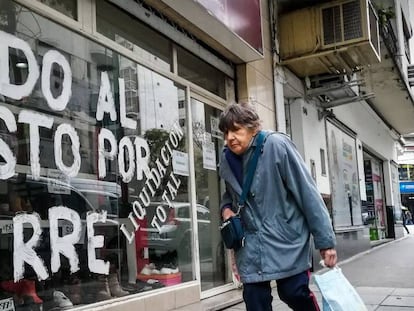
x=294, y=291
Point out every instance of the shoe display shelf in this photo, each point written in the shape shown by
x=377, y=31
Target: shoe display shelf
x=166, y=279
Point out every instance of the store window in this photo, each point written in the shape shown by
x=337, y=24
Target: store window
x=94, y=199
x=67, y=7
x=343, y=171
x=193, y=69
x=127, y=31
x=208, y=143
x=375, y=204
x=406, y=172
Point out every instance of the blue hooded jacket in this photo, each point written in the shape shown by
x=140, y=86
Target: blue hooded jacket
x=282, y=209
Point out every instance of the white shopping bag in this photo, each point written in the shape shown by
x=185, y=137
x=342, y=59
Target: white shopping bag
x=337, y=293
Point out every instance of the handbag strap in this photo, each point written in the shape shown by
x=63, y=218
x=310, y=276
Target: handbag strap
x=251, y=168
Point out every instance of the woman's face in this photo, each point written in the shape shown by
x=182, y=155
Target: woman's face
x=238, y=139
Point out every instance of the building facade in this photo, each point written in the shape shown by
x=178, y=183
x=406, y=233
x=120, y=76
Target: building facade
x=109, y=138
x=109, y=145
x=349, y=101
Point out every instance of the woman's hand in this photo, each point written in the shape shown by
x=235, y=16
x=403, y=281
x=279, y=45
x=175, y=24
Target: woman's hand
x=226, y=213
x=329, y=257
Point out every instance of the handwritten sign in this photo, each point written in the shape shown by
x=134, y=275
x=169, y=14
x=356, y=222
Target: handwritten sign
x=209, y=157
x=180, y=163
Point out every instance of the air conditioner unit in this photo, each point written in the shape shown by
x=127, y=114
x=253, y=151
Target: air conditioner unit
x=335, y=37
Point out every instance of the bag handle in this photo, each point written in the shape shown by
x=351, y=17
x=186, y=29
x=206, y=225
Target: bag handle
x=251, y=169
x=322, y=263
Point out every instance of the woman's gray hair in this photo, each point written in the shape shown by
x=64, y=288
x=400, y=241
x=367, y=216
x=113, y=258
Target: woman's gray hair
x=242, y=114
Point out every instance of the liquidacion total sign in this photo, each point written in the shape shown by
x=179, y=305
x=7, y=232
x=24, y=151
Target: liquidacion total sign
x=137, y=153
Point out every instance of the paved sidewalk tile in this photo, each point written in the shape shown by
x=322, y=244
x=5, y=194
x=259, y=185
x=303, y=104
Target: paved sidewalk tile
x=374, y=295
x=399, y=301
x=394, y=309
x=375, y=299
x=404, y=292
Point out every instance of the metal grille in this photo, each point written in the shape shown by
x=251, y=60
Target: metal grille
x=352, y=20
x=332, y=30
x=342, y=22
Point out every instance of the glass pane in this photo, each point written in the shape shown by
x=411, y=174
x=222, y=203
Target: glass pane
x=67, y=7
x=193, y=69
x=403, y=172
x=344, y=176
x=377, y=184
x=126, y=30
x=208, y=142
x=95, y=139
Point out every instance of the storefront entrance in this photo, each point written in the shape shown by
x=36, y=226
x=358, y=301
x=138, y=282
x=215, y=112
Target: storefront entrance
x=208, y=143
x=108, y=162
x=374, y=207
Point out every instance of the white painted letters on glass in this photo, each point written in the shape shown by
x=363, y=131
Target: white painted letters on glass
x=24, y=252
x=35, y=120
x=95, y=241
x=105, y=99
x=107, y=135
x=143, y=157
x=133, y=152
x=67, y=129
x=59, y=103
x=64, y=245
x=12, y=90
x=7, y=169
x=128, y=174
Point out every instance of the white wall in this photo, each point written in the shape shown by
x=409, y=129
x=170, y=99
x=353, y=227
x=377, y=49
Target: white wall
x=369, y=128
x=375, y=137
x=295, y=107
x=308, y=133
x=406, y=158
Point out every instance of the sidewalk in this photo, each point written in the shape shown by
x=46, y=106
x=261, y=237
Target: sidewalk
x=375, y=298
x=379, y=275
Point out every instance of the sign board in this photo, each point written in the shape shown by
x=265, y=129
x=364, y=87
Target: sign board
x=407, y=187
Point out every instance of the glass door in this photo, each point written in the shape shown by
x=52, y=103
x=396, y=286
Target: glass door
x=208, y=142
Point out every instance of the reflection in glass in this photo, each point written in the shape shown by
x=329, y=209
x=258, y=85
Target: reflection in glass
x=134, y=35
x=67, y=7
x=208, y=142
x=128, y=143
x=193, y=69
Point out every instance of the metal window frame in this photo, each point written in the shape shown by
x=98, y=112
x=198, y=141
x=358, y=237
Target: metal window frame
x=363, y=8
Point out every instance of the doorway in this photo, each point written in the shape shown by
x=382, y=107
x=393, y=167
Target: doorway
x=208, y=143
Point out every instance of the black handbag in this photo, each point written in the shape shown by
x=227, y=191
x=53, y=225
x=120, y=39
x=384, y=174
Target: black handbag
x=232, y=232
x=231, y=229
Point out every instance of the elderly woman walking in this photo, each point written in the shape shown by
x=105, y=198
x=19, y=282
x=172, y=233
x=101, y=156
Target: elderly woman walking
x=282, y=209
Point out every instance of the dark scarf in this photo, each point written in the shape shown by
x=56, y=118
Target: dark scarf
x=236, y=164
